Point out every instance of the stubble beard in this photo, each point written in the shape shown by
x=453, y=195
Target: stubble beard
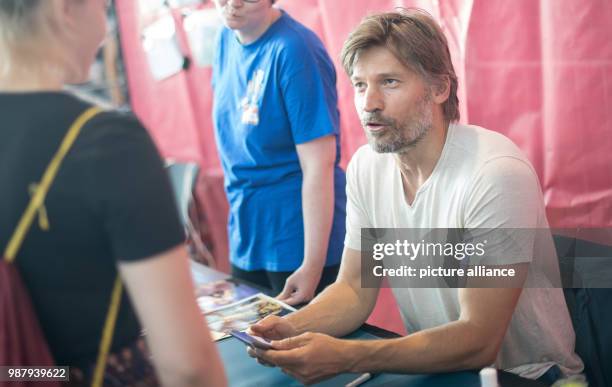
x=406, y=135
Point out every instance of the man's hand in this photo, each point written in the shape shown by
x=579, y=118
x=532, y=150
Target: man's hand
x=271, y=328
x=310, y=357
x=300, y=287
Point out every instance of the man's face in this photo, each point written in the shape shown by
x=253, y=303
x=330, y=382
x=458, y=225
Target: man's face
x=394, y=103
x=243, y=15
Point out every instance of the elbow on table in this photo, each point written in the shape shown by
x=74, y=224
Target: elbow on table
x=483, y=355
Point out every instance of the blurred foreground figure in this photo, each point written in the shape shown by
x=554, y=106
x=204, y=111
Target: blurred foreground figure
x=109, y=212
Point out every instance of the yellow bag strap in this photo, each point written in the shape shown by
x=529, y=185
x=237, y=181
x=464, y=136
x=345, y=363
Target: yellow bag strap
x=38, y=199
x=107, y=334
x=37, y=202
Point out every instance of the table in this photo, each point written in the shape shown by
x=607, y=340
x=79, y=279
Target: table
x=243, y=371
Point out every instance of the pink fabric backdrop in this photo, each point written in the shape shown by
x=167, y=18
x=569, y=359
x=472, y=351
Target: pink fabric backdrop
x=538, y=71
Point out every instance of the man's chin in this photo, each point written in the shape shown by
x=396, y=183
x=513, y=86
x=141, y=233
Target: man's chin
x=395, y=147
x=381, y=147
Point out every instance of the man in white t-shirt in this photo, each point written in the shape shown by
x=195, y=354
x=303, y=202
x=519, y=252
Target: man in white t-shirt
x=423, y=171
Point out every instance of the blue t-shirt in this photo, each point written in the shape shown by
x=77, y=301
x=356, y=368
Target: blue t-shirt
x=270, y=95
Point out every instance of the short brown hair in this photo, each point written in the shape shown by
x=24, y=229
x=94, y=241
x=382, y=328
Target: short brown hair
x=415, y=39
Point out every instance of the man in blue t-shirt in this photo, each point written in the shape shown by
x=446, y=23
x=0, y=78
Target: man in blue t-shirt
x=277, y=130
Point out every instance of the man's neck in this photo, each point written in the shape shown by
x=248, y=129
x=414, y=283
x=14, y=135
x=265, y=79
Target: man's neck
x=418, y=163
x=248, y=37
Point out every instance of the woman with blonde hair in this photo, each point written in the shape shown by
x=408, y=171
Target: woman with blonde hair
x=109, y=211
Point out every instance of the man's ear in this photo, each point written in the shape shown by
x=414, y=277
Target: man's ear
x=441, y=89
x=67, y=11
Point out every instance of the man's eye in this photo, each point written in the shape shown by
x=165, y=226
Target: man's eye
x=390, y=82
x=359, y=85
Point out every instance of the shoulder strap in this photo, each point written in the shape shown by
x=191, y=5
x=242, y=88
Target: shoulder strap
x=107, y=334
x=38, y=199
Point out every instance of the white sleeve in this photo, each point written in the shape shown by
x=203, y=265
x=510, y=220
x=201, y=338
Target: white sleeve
x=504, y=208
x=356, y=212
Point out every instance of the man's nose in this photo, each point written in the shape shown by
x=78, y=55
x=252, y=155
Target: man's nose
x=373, y=100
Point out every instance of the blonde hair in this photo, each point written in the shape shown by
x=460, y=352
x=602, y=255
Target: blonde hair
x=414, y=37
x=29, y=31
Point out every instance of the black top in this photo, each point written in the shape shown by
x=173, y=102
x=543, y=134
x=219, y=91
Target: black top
x=111, y=201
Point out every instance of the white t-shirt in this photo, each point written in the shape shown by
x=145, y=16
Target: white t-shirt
x=481, y=181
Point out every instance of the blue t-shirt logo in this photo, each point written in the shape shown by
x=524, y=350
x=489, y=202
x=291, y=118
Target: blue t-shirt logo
x=250, y=103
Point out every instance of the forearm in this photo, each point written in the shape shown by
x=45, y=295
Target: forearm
x=318, y=213
x=205, y=376
x=161, y=290
x=337, y=311
x=450, y=347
